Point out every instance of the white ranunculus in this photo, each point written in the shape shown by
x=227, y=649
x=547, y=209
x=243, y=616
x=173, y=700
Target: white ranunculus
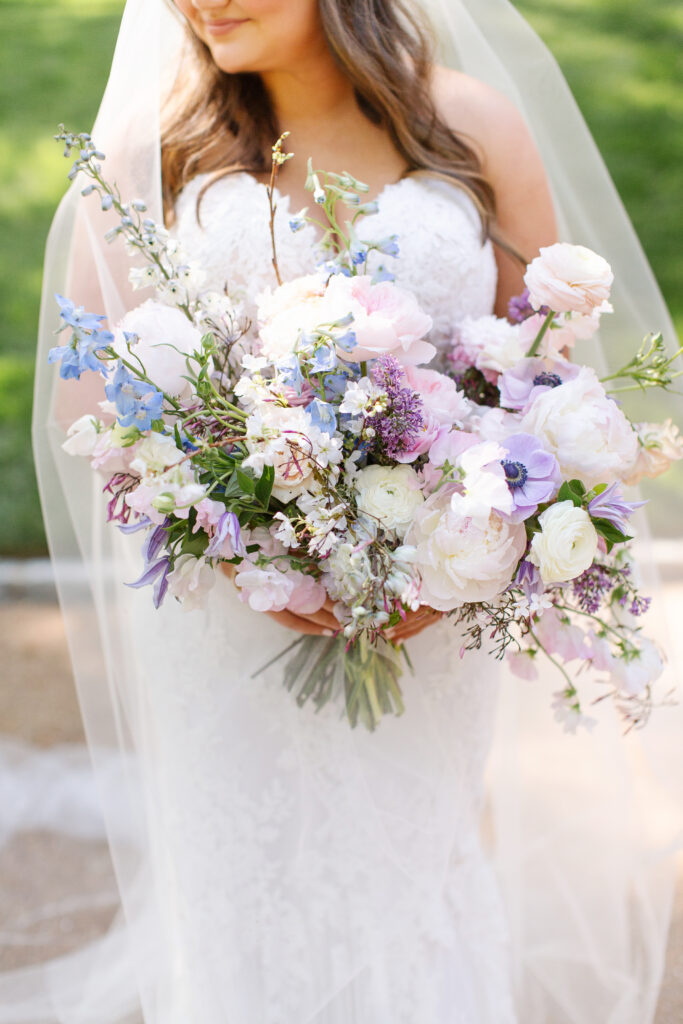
x=588, y=433
x=461, y=559
x=569, y=279
x=390, y=494
x=567, y=543
x=82, y=436
x=167, y=337
x=632, y=674
x=659, y=444
x=190, y=581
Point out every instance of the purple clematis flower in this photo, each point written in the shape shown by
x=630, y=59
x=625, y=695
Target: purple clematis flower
x=610, y=505
x=532, y=474
x=227, y=529
x=530, y=378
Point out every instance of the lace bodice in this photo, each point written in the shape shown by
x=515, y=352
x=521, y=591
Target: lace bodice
x=441, y=257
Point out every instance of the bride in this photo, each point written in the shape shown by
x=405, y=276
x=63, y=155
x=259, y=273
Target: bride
x=467, y=863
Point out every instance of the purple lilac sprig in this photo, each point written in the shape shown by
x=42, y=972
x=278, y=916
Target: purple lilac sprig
x=397, y=427
x=520, y=309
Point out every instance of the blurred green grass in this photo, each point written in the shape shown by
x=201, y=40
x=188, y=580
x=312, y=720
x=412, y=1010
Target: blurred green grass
x=623, y=60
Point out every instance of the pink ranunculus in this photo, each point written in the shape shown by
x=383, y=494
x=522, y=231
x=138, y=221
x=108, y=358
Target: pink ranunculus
x=569, y=279
x=387, y=320
x=439, y=394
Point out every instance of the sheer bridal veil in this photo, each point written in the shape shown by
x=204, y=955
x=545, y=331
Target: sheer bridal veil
x=582, y=829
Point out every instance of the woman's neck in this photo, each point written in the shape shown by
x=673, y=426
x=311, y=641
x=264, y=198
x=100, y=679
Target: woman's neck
x=311, y=93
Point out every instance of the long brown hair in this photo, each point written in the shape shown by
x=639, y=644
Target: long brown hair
x=385, y=50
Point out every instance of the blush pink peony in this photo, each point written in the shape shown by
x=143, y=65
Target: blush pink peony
x=386, y=320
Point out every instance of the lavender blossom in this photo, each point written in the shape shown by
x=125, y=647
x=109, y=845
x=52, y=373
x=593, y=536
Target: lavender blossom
x=520, y=309
x=610, y=505
x=532, y=474
x=591, y=588
x=396, y=429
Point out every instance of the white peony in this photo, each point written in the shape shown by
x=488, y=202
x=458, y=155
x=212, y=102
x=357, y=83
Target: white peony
x=295, y=306
x=166, y=339
x=659, y=444
x=566, y=545
x=190, y=581
x=569, y=279
x=390, y=494
x=461, y=559
x=588, y=433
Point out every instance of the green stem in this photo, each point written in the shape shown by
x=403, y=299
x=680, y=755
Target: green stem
x=541, y=334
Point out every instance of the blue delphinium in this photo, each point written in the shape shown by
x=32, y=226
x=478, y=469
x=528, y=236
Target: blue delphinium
x=87, y=339
x=137, y=403
x=323, y=415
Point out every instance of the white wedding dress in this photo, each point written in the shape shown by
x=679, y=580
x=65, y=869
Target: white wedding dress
x=308, y=873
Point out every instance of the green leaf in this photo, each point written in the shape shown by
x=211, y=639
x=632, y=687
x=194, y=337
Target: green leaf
x=572, y=490
x=264, y=486
x=246, y=482
x=610, y=532
x=194, y=544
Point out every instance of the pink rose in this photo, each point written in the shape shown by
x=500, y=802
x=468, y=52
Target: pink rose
x=569, y=279
x=386, y=320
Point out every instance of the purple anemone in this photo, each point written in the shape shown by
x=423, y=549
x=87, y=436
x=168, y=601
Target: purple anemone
x=532, y=474
x=530, y=378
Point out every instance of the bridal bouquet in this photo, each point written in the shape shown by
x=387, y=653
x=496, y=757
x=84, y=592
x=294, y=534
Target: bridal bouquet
x=320, y=455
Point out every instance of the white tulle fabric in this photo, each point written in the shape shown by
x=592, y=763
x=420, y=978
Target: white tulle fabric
x=276, y=867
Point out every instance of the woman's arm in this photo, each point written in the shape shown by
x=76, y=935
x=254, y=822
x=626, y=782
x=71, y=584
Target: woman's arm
x=512, y=164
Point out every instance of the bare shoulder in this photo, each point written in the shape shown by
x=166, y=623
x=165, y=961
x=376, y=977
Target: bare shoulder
x=510, y=161
x=487, y=118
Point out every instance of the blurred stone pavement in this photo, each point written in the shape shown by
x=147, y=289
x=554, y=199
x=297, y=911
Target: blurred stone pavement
x=38, y=704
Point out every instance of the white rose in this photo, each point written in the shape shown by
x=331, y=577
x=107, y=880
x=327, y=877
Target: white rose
x=569, y=279
x=660, y=444
x=587, y=432
x=566, y=544
x=632, y=674
x=461, y=559
x=82, y=436
x=167, y=337
x=190, y=581
x=390, y=494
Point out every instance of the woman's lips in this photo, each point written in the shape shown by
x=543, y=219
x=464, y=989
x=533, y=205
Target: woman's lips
x=219, y=27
